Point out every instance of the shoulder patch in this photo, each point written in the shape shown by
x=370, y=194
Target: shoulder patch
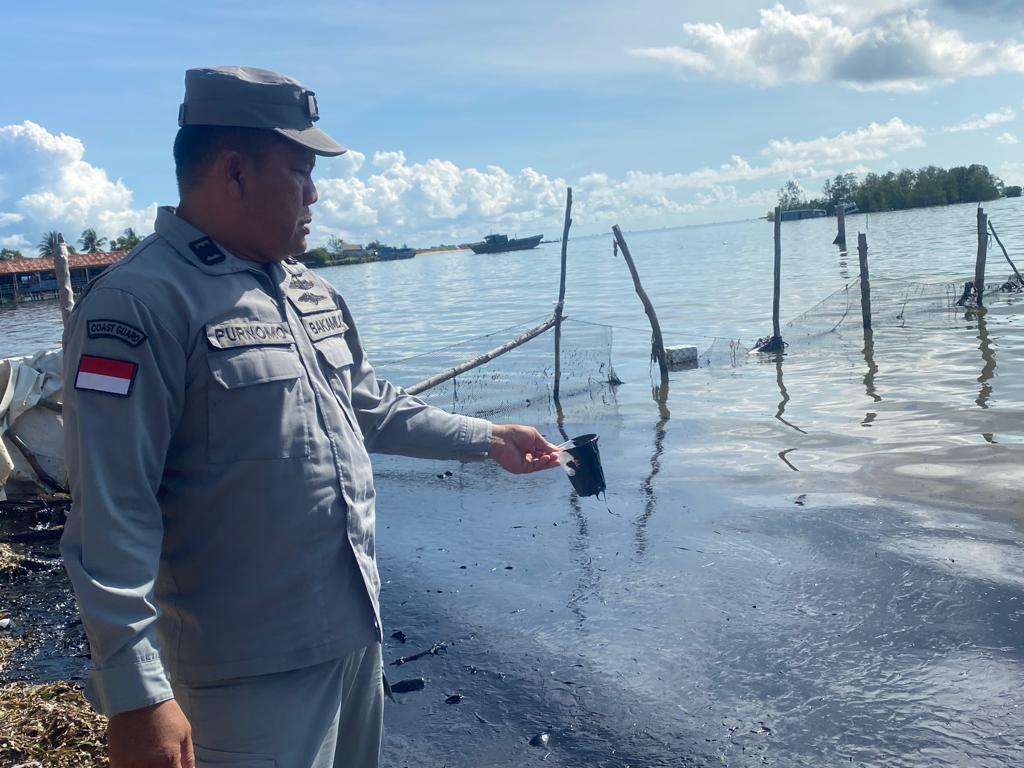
x=115, y=329
x=247, y=333
x=105, y=374
x=324, y=324
x=307, y=294
x=207, y=251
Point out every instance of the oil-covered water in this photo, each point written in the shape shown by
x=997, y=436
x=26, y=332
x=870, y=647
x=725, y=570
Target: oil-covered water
x=812, y=559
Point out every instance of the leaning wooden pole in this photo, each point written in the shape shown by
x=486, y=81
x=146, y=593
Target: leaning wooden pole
x=865, y=280
x=979, y=266
x=1007, y=255
x=476, y=362
x=657, y=342
x=62, y=272
x=560, y=306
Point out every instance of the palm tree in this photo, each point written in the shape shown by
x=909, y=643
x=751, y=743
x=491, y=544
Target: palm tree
x=45, y=247
x=127, y=241
x=90, y=241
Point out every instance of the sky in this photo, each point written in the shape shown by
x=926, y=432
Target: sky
x=465, y=118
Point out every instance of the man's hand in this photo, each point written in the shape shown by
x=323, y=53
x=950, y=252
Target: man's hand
x=157, y=736
x=521, y=449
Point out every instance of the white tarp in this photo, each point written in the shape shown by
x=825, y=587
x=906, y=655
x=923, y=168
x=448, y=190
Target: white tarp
x=31, y=391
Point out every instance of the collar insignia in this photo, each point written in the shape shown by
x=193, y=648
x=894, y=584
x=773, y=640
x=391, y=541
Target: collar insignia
x=207, y=251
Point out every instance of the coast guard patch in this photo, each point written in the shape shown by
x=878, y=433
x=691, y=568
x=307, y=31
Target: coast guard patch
x=105, y=374
x=115, y=329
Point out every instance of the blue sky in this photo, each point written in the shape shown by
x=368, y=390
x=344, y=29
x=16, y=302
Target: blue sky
x=469, y=117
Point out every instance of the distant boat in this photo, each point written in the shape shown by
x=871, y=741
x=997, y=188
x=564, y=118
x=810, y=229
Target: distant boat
x=501, y=243
x=803, y=213
x=388, y=253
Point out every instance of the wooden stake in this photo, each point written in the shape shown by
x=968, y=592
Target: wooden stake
x=61, y=271
x=657, y=342
x=476, y=362
x=841, y=219
x=979, y=266
x=865, y=280
x=776, y=333
x=560, y=306
x=1008, y=259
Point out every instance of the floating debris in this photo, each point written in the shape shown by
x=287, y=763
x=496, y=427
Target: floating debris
x=433, y=650
x=410, y=685
x=455, y=698
x=10, y=561
x=399, y=635
x=541, y=740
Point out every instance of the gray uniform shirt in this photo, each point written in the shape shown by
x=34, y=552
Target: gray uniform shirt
x=218, y=416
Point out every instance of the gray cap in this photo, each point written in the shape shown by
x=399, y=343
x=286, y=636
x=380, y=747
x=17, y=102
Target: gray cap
x=246, y=97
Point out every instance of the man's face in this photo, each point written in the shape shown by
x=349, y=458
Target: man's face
x=277, y=199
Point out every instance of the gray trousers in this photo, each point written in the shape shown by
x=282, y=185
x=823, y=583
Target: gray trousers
x=326, y=716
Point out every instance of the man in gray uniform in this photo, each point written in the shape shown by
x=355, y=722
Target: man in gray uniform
x=218, y=411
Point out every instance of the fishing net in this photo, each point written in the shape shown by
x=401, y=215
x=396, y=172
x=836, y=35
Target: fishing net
x=520, y=378
x=837, y=320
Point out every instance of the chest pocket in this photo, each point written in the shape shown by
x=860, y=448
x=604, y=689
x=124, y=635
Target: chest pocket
x=336, y=361
x=257, y=407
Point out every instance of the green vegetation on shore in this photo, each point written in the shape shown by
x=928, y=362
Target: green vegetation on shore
x=897, y=191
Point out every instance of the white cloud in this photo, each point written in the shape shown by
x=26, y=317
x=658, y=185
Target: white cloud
x=1004, y=115
x=861, y=11
x=1007, y=138
x=46, y=184
x=880, y=46
x=874, y=142
x=437, y=201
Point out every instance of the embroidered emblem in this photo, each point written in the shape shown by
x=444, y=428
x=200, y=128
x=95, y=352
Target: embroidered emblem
x=308, y=297
x=105, y=374
x=324, y=325
x=247, y=333
x=115, y=329
x=207, y=251
x=307, y=293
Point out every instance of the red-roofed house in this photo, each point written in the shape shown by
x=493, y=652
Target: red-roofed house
x=34, y=278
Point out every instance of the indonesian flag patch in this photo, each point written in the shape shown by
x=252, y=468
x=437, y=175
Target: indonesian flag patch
x=104, y=374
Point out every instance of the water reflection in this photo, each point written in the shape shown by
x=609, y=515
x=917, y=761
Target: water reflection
x=844, y=265
x=783, y=395
x=869, y=360
x=988, y=356
x=587, y=578
x=660, y=396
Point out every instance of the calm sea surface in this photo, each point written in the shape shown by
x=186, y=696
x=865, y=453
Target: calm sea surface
x=807, y=560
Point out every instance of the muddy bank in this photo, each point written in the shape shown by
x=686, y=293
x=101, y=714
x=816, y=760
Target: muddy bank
x=44, y=717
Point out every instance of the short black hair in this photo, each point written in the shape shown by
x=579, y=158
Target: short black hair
x=195, y=147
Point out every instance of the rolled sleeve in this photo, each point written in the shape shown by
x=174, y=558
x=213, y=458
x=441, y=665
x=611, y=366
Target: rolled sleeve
x=134, y=685
x=116, y=446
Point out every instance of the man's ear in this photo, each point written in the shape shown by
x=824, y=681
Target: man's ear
x=233, y=174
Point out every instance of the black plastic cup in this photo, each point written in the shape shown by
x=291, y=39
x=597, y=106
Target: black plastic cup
x=584, y=468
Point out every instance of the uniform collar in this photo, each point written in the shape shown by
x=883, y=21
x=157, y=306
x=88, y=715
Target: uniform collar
x=197, y=248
